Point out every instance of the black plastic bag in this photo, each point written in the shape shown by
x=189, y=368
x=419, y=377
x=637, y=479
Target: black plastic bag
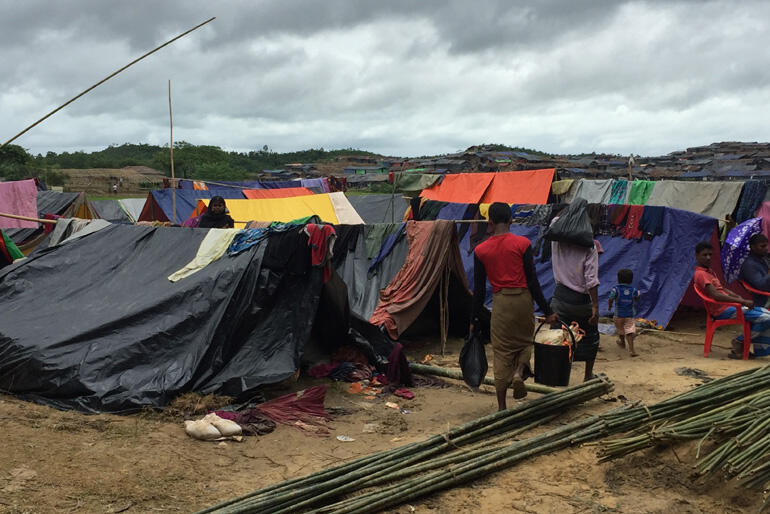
x=473, y=360
x=573, y=226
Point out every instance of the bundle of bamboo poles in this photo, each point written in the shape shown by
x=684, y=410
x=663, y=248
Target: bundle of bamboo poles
x=476, y=449
x=733, y=414
x=463, y=453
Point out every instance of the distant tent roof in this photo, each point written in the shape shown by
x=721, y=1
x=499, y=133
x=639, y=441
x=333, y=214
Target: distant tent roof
x=111, y=210
x=330, y=207
x=287, y=192
x=521, y=187
x=158, y=206
x=133, y=206
x=379, y=208
x=532, y=187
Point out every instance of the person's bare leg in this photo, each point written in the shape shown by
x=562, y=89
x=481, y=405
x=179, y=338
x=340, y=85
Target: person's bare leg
x=589, y=371
x=621, y=340
x=631, y=352
x=501, y=398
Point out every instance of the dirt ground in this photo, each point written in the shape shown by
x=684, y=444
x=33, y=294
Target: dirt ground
x=56, y=461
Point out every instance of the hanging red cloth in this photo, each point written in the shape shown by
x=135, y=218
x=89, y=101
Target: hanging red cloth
x=631, y=229
x=321, y=239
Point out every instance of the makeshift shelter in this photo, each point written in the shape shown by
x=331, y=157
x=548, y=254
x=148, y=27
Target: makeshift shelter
x=131, y=338
x=520, y=187
x=331, y=208
x=111, y=210
x=133, y=207
x=433, y=257
x=159, y=204
x=663, y=265
x=379, y=208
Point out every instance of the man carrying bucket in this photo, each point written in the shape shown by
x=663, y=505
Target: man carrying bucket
x=506, y=259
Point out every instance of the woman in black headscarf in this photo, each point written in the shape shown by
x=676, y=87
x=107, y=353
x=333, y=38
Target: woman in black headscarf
x=216, y=216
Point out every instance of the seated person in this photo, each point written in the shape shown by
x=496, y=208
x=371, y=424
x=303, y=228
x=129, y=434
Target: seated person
x=216, y=216
x=708, y=283
x=755, y=270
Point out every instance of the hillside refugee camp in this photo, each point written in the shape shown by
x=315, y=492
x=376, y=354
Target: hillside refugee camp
x=229, y=291
x=384, y=257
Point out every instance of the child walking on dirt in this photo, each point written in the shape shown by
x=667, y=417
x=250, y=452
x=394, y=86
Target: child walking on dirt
x=625, y=296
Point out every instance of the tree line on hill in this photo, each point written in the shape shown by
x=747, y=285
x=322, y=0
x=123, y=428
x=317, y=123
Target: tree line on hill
x=203, y=162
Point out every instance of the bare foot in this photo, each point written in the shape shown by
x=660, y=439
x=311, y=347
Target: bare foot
x=621, y=343
x=633, y=354
x=519, y=389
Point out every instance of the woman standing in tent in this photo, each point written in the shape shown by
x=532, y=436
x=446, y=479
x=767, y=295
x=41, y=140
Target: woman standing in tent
x=216, y=216
x=506, y=259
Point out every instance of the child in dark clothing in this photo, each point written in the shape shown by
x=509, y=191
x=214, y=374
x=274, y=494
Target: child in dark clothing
x=625, y=296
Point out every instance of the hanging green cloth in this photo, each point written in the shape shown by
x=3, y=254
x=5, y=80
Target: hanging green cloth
x=13, y=250
x=640, y=192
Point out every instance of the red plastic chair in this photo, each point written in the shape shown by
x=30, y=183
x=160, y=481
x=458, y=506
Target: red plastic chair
x=712, y=324
x=753, y=290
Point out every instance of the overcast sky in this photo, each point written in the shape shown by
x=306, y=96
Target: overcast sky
x=402, y=78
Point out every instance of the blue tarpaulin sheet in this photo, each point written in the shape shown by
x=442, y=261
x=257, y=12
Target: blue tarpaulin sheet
x=186, y=200
x=663, y=267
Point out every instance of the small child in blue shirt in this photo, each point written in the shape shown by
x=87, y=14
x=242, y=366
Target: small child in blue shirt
x=625, y=296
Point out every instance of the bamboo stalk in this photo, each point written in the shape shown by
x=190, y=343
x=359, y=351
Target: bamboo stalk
x=26, y=218
x=458, y=375
x=65, y=104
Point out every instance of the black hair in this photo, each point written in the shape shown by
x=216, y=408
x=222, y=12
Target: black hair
x=499, y=212
x=703, y=245
x=217, y=199
x=757, y=239
x=625, y=276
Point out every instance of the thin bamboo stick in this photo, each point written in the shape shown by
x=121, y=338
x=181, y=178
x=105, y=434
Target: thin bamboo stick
x=106, y=79
x=26, y=218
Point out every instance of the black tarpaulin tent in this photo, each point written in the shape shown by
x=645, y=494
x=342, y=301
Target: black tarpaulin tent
x=96, y=325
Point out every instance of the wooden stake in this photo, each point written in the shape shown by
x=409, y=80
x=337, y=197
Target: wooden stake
x=105, y=80
x=171, y=149
x=26, y=218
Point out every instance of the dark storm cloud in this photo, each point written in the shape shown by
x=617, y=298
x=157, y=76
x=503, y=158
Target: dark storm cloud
x=399, y=77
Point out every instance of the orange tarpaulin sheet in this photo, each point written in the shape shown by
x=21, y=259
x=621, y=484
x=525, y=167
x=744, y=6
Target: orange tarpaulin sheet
x=522, y=187
x=459, y=188
x=286, y=192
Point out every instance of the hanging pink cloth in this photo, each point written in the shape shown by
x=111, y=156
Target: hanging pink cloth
x=18, y=197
